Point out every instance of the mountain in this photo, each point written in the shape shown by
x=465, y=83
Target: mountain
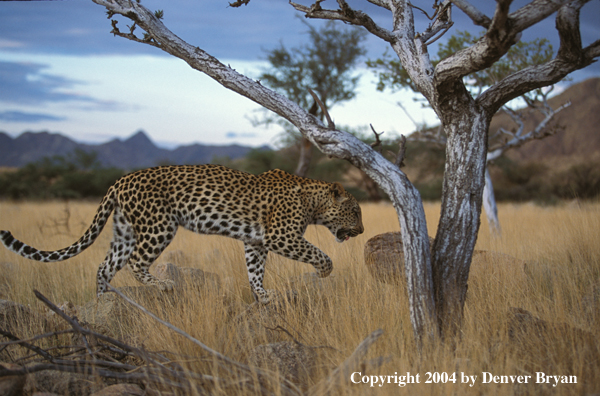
x=137, y=151
x=579, y=135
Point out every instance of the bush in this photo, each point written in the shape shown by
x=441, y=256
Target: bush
x=581, y=180
x=77, y=176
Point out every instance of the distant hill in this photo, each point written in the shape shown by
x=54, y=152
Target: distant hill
x=580, y=138
x=137, y=151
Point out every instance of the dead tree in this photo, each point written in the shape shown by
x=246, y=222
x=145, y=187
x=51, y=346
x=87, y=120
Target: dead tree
x=502, y=141
x=516, y=138
x=436, y=278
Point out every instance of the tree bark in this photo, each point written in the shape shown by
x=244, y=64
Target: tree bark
x=466, y=125
x=489, y=205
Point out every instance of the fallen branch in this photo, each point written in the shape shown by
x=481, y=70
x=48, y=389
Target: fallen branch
x=102, y=359
x=92, y=360
x=286, y=387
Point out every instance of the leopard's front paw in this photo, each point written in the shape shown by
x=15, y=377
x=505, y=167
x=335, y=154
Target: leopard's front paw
x=265, y=296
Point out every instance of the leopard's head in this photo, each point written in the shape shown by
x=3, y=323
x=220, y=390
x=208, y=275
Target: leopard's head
x=342, y=214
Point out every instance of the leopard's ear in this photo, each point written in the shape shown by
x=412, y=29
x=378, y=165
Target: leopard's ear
x=337, y=191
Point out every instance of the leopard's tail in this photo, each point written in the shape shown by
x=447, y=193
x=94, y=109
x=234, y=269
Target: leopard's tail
x=104, y=210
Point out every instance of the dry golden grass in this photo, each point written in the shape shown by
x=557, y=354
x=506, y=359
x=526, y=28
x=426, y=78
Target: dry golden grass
x=560, y=245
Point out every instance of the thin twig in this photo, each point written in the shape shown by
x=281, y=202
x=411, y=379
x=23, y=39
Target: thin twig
x=330, y=123
x=399, y=161
x=27, y=345
x=377, y=141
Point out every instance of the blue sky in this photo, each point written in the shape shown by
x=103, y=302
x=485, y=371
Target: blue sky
x=61, y=70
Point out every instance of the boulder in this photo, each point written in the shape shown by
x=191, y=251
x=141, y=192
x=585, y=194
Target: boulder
x=529, y=335
x=12, y=385
x=188, y=278
x=113, y=316
x=14, y=316
x=384, y=258
x=61, y=383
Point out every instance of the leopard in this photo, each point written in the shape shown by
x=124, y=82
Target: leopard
x=268, y=212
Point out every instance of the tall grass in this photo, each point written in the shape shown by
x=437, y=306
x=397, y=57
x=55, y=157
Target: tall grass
x=560, y=246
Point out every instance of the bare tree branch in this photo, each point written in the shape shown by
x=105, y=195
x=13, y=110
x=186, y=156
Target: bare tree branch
x=399, y=161
x=380, y=3
x=496, y=42
x=412, y=51
x=518, y=138
x=536, y=11
x=377, y=142
x=441, y=24
x=330, y=123
x=478, y=17
x=567, y=24
x=346, y=14
x=570, y=57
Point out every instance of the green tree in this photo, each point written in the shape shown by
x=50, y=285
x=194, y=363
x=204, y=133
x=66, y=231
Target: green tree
x=326, y=65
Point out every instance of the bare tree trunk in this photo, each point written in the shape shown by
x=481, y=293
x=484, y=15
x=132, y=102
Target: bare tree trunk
x=489, y=204
x=306, y=146
x=466, y=126
x=305, y=157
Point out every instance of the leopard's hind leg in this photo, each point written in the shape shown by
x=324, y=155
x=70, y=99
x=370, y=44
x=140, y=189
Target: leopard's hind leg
x=120, y=249
x=148, y=247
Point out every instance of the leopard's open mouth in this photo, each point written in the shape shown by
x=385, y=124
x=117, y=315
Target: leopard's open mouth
x=343, y=234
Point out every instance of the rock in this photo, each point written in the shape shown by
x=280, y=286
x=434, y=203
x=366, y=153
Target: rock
x=55, y=320
x=295, y=361
x=121, y=390
x=522, y=324
x=188, y=278
x=14, y=316
x=174, y=256
x=12, y=385
x=61, y=383
x=384, y=257
x=113, y=316
x=529, y=335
